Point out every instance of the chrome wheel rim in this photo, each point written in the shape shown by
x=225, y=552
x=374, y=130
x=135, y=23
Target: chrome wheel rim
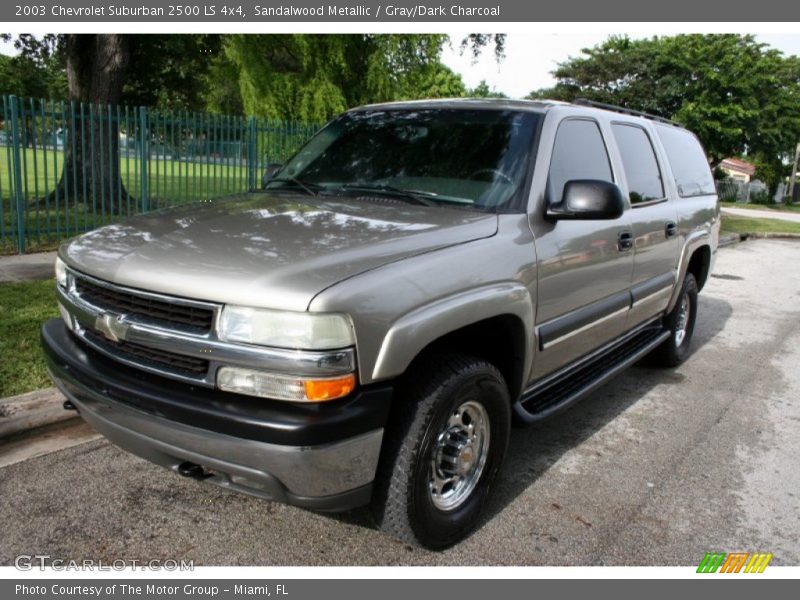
x=683, y=320
x=459, y=456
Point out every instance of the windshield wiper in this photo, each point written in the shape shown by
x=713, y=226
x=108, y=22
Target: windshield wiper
x=312, y=189
x=421, y=197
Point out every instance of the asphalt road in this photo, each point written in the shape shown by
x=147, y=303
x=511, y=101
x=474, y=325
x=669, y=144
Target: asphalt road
x=656, y=468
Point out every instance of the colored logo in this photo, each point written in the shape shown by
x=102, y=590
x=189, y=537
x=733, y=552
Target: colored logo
x=734, y=562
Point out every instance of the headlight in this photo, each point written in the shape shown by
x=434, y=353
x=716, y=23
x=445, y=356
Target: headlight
x=284, y=387
x=61, y=273
x=283, y=329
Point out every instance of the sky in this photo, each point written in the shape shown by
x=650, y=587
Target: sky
x=531, y=57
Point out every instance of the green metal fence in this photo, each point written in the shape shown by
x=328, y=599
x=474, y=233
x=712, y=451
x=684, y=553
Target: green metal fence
x=68, y=167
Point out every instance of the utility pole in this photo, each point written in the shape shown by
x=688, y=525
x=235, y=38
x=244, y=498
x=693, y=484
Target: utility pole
x=793, y=180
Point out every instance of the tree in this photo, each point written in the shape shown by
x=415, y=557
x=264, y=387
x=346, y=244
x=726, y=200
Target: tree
x=437, y=81
x=163, y=71
x=482, y=90
x=172, y=72
x=737, y=95
x=98, y=71
x=221, y=93
x=311, y=78
x=37, y=71
x=96, y=67
x=475, y=43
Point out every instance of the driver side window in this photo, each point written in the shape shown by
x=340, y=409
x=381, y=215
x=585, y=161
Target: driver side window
x=578, y=153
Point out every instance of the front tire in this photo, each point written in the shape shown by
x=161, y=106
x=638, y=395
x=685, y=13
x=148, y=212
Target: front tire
x=442, y=451
x=680, y=323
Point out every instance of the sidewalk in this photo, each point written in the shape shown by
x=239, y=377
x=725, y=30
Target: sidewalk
x=27, y=267
x=755, y=213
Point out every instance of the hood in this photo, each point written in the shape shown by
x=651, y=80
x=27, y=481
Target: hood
x=267, y=250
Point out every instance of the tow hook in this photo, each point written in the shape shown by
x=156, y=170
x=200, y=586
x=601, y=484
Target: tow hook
x=195, y=471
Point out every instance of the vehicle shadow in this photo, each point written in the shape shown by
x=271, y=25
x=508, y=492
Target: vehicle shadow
x=534, y=450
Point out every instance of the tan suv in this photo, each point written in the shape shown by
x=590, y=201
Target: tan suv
x=363, y=329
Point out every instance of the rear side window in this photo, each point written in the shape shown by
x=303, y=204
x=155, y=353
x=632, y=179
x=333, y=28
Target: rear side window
x=639, y=160
x=578, y=153
x=688, y=162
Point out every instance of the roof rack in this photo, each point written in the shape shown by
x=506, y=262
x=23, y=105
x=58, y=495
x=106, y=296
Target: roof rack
x=623, y=110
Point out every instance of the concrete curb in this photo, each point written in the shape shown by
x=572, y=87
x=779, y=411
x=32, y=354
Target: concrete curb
x=771, y=236
x=31, y=410
x=735, y=238
x=729, y=239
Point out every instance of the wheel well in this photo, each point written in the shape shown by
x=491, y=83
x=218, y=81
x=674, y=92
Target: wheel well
x=699, y=264
x=499, y=340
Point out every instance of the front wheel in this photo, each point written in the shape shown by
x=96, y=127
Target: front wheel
x=443, y=451
x=680, y=323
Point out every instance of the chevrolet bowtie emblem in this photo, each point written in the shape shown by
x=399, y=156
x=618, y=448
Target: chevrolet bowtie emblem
x=111, y=326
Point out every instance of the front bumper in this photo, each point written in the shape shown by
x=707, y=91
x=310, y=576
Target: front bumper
x=321, y=456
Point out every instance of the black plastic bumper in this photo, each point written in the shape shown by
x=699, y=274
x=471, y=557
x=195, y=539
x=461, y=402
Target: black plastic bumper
x=249, y=444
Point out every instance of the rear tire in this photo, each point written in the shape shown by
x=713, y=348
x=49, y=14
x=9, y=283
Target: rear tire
x=680, y=323
x=445, y=444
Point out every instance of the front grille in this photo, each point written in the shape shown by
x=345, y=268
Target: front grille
x=191, y=319
x=159, y=359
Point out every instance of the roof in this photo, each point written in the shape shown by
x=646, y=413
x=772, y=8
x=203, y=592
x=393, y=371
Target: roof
x=737, y=164
x=538, y=106
x=479, y=103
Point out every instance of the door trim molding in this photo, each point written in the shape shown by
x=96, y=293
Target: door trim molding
x=566, y=326
x=582, y=319
x=641, y=292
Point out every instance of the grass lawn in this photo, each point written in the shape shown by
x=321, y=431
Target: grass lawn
x=170, y=182
x=24, y=306
x=778, y=207
x=735, y=224
x=169, y=179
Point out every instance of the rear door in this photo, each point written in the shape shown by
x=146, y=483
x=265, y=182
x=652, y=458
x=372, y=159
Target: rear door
x=653, y=219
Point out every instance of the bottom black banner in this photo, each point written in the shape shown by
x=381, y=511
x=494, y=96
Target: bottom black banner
x=383, y=589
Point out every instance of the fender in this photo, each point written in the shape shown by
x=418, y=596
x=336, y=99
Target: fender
x=414, y=331
x=694, y=240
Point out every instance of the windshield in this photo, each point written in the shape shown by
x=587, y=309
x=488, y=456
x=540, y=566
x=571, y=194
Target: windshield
x=446, y=156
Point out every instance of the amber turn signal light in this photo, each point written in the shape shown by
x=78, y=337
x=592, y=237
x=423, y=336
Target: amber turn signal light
x=318, y=390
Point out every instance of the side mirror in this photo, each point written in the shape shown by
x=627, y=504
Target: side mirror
x=269, y=173
x=588, y=199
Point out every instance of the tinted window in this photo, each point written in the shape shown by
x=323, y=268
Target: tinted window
x=688, y=162
x=454, y=156
x=578, y=153
x=639, y=160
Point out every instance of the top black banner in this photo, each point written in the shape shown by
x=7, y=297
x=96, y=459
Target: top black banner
x=408, y=11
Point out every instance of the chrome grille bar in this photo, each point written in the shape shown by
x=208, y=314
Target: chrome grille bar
x=103, y=331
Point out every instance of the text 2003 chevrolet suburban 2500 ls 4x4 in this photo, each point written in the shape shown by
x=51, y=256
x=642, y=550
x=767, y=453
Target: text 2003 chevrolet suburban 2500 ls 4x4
x=362, y=329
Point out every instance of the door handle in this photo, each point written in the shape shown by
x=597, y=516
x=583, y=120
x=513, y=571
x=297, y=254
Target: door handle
x=625, y=241
x=671, y=229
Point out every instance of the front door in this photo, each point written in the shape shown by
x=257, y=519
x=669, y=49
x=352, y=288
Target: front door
x=584, y=267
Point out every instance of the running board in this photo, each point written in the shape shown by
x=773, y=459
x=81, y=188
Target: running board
x=564, y=389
